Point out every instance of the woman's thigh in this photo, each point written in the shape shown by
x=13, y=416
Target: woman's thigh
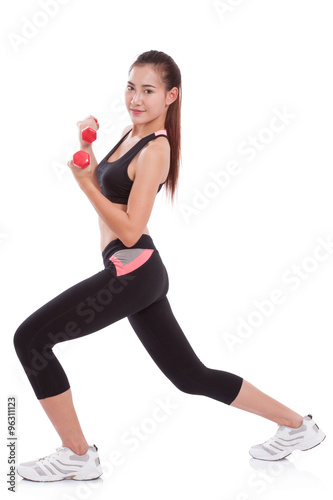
x=93, y=304
x=165, y=341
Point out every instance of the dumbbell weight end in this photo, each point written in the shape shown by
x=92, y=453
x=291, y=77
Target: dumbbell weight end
x=89, y=134
x=81, y=159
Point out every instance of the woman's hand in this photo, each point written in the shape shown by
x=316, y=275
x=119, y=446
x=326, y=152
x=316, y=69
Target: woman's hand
x=83, y=176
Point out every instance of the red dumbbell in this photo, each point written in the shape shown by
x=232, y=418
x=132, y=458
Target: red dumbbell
x=81, y=159
x=89, y=134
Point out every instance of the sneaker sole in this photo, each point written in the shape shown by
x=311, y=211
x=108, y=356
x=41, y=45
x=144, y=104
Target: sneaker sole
x=88, y=477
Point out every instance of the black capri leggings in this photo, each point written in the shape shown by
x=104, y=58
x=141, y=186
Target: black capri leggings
x=133, y=284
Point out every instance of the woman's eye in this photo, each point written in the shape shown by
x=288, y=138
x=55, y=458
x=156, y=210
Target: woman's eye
x=129, y=87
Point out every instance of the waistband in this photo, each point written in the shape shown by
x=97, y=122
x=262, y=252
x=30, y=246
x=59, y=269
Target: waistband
x=145, y=241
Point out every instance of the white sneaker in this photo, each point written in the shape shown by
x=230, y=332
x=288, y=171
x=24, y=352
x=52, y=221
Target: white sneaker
x=288, y=439
x=63, y=464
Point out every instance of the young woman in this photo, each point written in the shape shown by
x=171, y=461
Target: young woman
x=134, y=284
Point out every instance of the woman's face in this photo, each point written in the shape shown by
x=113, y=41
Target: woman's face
x=145, y=92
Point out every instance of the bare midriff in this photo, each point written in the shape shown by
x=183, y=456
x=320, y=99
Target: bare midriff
x=106, y=234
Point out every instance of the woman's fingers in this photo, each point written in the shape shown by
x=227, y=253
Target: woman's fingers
x=89, y=120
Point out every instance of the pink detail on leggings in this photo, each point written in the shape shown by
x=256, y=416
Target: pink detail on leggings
x=141, y=259
x=161, y=132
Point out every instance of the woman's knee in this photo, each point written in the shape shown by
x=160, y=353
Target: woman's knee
x=29, y=338
x=190, y=382
x=216, y=384
x=20, y=338
x=33, y=354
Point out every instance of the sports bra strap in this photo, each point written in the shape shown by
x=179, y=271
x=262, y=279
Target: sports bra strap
x=139, y=145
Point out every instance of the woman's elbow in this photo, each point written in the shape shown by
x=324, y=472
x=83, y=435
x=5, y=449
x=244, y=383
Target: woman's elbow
x=131, y=237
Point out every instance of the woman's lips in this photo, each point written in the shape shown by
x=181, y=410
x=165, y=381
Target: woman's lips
x=136, y=112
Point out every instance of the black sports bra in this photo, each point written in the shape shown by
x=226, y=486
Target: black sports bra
x=113, y=177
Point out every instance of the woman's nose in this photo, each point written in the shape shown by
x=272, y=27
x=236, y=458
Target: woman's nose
x=136, y=98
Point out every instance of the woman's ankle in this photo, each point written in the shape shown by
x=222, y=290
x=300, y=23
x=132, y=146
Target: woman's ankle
x=293, y=421
x=78, y=449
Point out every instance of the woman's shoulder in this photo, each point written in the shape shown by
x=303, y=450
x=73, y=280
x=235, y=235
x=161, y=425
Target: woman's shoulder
x=159, y=143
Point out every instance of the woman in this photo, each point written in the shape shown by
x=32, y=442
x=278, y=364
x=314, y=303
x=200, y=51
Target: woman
x=134, y=284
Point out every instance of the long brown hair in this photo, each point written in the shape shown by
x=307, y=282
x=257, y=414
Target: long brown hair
x=170, y=76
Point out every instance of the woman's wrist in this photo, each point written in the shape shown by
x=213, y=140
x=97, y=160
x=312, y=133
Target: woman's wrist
x=86, y=184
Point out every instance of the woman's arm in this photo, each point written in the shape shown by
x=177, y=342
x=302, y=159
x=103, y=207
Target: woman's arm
x=151, y=168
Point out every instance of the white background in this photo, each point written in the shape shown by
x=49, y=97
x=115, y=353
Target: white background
x=240, y=61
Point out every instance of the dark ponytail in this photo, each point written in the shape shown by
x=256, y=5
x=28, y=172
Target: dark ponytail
x=171, y=77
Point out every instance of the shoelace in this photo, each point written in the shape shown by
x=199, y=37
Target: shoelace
x=280, y=428
x=47, y=457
